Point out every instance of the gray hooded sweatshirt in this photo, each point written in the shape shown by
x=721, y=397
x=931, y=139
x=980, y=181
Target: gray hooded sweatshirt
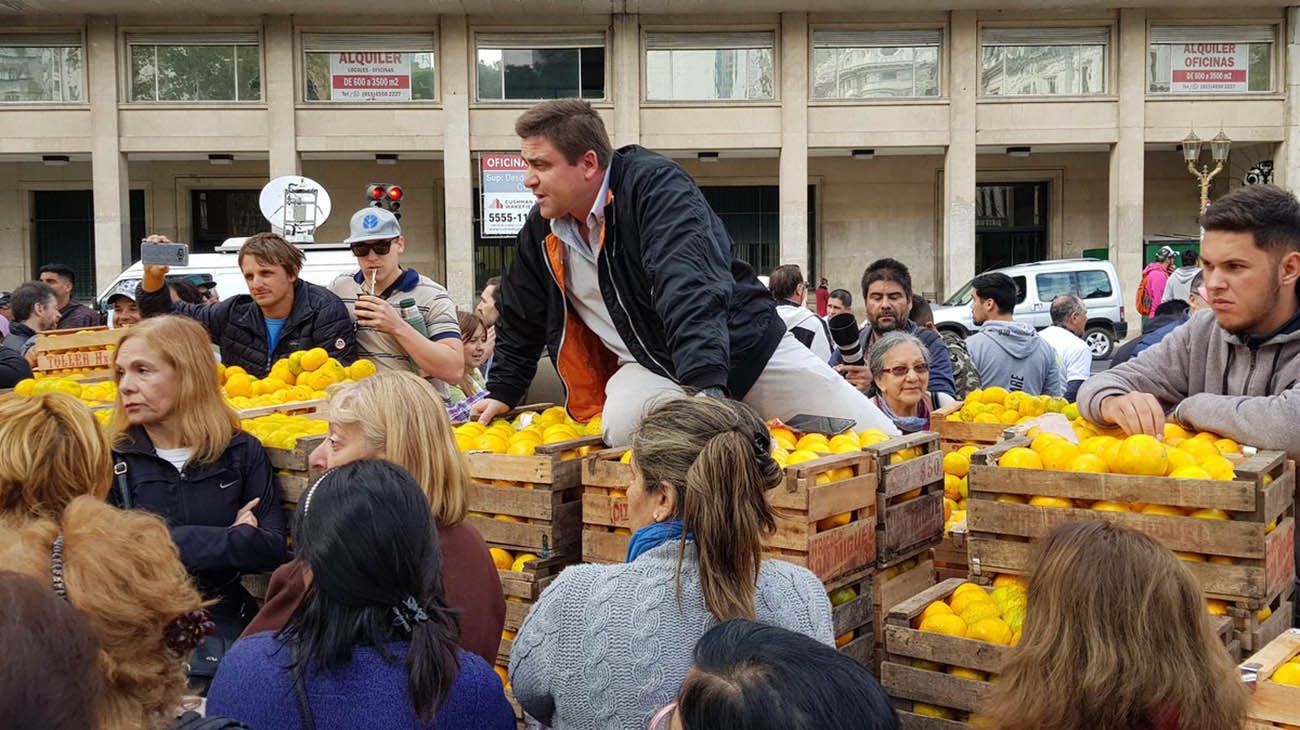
x=1179, y=285
x=1245, y=388
x=1013, y=356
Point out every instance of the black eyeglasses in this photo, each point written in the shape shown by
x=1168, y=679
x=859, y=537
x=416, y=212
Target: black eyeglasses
x=363, y=248
x=901, y=370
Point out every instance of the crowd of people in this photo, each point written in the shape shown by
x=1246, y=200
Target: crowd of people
x=123, y=549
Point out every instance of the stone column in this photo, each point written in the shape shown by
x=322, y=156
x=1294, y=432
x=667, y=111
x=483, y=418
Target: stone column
x=1286, y=169
x=625, y=91
x=112, y=207
x=793, y=178
x=281, y=98
x=457, y=173
x=959, y=160
x=1128, y=158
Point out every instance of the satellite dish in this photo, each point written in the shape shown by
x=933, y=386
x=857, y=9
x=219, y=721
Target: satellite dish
x=294, y=206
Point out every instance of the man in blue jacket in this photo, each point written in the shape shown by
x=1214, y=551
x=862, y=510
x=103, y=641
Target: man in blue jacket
x=625, y=274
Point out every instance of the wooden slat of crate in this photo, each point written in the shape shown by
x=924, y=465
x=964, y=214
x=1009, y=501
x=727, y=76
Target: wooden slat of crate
x=906, y=526
x=295, y=459
x=908, y=720
x=889, y=592
x=933, y=688
x=801, y=502
x=548, y=466
x=955, y=434
x=895, y=479
x=534, y=577
x=295, y=484
x=561, y=535
x=854, y=615
x=603, y=469
x=603, y=545
x=68, y=339
x=516, y=611
x=300, y=407
x=909, y=526
x=951, y=559
x=1255, y=634
x=1272, y=702
x=98, y=359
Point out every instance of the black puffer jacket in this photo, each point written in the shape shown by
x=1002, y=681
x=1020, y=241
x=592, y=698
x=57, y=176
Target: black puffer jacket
x=200, y=504
x=684, y=305
x=237, y=326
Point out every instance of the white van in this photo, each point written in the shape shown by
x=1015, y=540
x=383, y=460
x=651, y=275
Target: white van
x=1093, y=281
x=324, y=262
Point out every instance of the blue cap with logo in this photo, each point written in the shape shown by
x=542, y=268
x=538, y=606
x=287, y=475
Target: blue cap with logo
x=373, y=224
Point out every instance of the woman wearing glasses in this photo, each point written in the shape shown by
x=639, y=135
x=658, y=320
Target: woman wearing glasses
x=900, y=376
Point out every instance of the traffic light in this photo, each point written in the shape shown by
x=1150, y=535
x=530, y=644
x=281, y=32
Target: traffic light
x=384, y=195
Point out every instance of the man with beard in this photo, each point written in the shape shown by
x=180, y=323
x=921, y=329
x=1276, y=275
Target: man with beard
x=1233, y=370
x=887, y=292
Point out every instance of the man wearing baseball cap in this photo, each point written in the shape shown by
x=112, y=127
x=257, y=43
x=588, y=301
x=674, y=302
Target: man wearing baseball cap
x=122, y=302
x=374, y=294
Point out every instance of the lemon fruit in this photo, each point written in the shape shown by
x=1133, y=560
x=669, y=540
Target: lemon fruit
x=944, y=623
x=521, y=561
x=1142, y=455
x=501, y=558
x=956, y=463
x=1288, y=674
x=993, y=630
x=1020, y=458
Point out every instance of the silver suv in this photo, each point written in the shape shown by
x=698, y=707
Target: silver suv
x=1036, y=285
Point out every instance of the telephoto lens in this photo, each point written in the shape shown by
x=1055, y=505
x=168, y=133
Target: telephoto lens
x=844, y=331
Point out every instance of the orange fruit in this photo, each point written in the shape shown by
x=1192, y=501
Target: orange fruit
x=992, y=630
x=1219, y=468
x=1142, y=455
x=956, y=463
x=362, y=368
x=1059, y=456
x=834, y=521
x=1020, y=458
x=1199, y=448
x=1057, y=502
x=1227, y=446
x=239, y=384
x=1087, y=462
x=1190, y=472
x=312, y=359
x=1104, y=506
x=944, y=623
x=501, y=558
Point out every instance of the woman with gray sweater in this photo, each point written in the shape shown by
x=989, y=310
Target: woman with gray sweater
x=606, y=646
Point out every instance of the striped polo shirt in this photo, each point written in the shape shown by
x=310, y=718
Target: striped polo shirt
x=431, y=299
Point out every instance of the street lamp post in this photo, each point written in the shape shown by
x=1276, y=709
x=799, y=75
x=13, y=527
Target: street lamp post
x=1219, y=147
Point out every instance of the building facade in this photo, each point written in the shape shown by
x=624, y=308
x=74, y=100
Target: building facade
x=952, y=139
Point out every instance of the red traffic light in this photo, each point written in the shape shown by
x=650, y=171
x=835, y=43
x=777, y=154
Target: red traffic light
x=375, y=192
x=394, y=193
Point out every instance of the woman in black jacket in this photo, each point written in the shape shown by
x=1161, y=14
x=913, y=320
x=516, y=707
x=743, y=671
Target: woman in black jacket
x=180, y=453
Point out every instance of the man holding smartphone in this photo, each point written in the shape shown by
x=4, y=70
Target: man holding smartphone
x=374, y=295
x=281, y=313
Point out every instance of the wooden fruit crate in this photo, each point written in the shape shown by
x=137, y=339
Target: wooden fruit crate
x=893, y=586
x=1254, y=633
x=522, y=588
x=907, y=684
x=906, y=523
x=605, y=530
x=558, y=465
x=950, y=557
x=291, y=466
x=853, y=618
x=1263, y=561
x=955, y=434
x=800, y=503
x=1272, y=705
x=86, y=347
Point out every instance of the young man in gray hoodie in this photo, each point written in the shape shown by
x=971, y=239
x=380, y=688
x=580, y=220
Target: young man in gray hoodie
x=1007, y=353
x=1179, y=285
x=1235, y=369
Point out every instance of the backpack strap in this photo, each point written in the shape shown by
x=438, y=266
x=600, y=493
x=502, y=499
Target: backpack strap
x=123, y=486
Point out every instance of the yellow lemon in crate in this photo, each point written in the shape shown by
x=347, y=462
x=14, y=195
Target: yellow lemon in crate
x=830, y=523
x=1178, y=459
x=956, y=463
x=492, y=442
x=1210, y=514
x=835, y=475
x=799, y=456
x=1020, y=458
x=1045, y=501
x=961, y=603
x=965, y=673
x=1105, y=506
x=978, y=611
x=1043, y=440
x=935, y=607
x=996, y=394
x=1142, y=455
x=993, y=630
x=1199, y=448
x=1219, y=468
x=1059, y=456
x=1190, y=472
x=1088, y=463
x=843, y=595
x=1227, y=446
x=1216, y=607
x=521, y=561
x=1288, y=674
x=1006, y=579
x=501, y=558
x=924, y=710
x=944, y=623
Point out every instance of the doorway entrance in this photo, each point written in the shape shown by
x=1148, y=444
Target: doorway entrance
x=1011, y=221
x=220, y=214
x=63, y=231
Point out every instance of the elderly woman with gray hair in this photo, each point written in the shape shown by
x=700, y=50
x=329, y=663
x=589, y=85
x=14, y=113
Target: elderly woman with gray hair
x=900, y=375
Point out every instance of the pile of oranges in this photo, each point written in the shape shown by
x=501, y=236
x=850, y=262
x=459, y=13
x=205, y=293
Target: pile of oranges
x=525, y=433
x=997, y=405
x=304, y=375
x=1181, y=455
x=956, y=470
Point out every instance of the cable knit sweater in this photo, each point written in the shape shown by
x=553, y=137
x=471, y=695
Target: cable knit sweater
x=608, y=645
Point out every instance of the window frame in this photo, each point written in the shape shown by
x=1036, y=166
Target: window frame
x=541, y=32
x=300, y=65
x=1109, y=72
x=53, y=32
x=942, y=68
x=642, y=49
x=1276, y=60
x=126, y=73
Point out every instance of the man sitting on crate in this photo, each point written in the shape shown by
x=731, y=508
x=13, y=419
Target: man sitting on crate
x=627, y=276
x=1234, y=370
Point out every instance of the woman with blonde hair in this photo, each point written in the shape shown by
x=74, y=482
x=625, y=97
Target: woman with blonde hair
x=181, y=454
x=607, y=645
x=1116, y=637
x=53, y=452
x=399, y=417
x=119, y=569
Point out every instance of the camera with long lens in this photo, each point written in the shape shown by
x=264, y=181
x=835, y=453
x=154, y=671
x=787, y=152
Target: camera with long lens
x=844, y=332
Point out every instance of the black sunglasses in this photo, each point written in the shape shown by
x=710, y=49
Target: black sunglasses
x=363, y=248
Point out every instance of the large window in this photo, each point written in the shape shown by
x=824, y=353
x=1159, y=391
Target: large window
x=195, y=67
x=368, y=67
x=1043, y=61
x=533, y=66
x=41, y=67
x=710, y=66
x=875, y=64
x=1211, y=60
